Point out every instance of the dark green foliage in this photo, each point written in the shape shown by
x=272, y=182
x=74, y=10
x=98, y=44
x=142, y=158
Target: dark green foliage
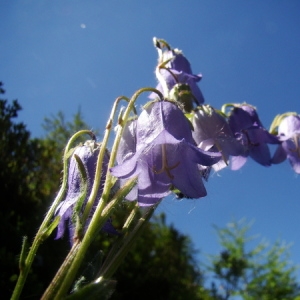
x=20, y=201
x=160, y=266
x=30, y=171
x=59, y=130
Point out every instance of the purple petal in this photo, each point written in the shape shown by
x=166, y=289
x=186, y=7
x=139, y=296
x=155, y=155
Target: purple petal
x=279, y=155
x=261, y=154
x=237, y=162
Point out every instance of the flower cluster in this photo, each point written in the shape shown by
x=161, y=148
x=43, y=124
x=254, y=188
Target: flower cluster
x=166, y=155
x=176, y=141
x=170, y=147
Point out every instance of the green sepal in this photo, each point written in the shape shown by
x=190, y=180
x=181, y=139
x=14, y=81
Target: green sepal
x=83, y=186
x=47, y=232
x=160, y=43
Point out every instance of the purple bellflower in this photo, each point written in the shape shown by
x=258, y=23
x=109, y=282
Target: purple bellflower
x=212, y=133
x=175, y=75
x=289, y=135
x=166, y=156
x=88, y=154
x=126, y=150
x=248, y=129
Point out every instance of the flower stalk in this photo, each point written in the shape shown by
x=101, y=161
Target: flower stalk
x=45, y=230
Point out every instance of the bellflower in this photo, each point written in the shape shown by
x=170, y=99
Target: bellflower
x=175, y=75
x=88, y=154
x=127, y=149
x=212, y=132
x=289, y=135
x=248, y=129
x=166, y=156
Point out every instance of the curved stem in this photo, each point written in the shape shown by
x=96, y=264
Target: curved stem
x=117, y=244
x=104, y=143
x=111, y=267
x=98, y=218
x=42, y=232
x=61, y=273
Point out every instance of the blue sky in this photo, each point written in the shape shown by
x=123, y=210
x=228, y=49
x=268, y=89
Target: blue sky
x=62, y=55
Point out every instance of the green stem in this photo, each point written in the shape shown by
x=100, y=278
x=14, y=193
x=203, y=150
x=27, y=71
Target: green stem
x=110, y=268
x=226, y=106
x=61, y=273
x=96, y=221
x=98, y=173
x=117, y=244
x=100, y=285
x=42, y=233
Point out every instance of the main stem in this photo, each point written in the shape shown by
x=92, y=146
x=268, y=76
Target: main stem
x=96, y=221
x=41, y=236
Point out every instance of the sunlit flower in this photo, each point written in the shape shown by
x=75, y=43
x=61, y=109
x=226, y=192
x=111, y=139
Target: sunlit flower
x=212, y=133
x=88, y=154
x=175, y=75
x=248, y=129
x=166, y=156
x=127, y=149
x=289, y=135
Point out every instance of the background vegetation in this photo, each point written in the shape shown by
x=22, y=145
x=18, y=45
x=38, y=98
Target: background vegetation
x=162, y=265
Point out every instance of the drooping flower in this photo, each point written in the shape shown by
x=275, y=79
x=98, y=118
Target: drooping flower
x=212, y=133
x=127, y=149
x=166, y=156
x=127, y=146
x=88, y=154
x=175, y=76
x=248, y=129
x=289, y=135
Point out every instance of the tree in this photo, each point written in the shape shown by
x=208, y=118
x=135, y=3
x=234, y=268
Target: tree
x=263, y=272
x=23, y=192
x=59, y=130
x=161, y=265
x=30, y=172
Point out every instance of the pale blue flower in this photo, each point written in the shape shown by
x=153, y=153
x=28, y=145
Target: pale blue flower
x=248, y=129
x=166, y=156
x=289, y=135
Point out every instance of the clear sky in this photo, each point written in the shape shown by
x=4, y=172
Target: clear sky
x=62, y=55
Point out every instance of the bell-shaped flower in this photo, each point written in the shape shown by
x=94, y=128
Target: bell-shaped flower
x=289, y=135
x=166, y=156
x=212, y=133
x=248, y=129
x=88, y=154
x=127, y=146
x=174, y=73
x=127, y=149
